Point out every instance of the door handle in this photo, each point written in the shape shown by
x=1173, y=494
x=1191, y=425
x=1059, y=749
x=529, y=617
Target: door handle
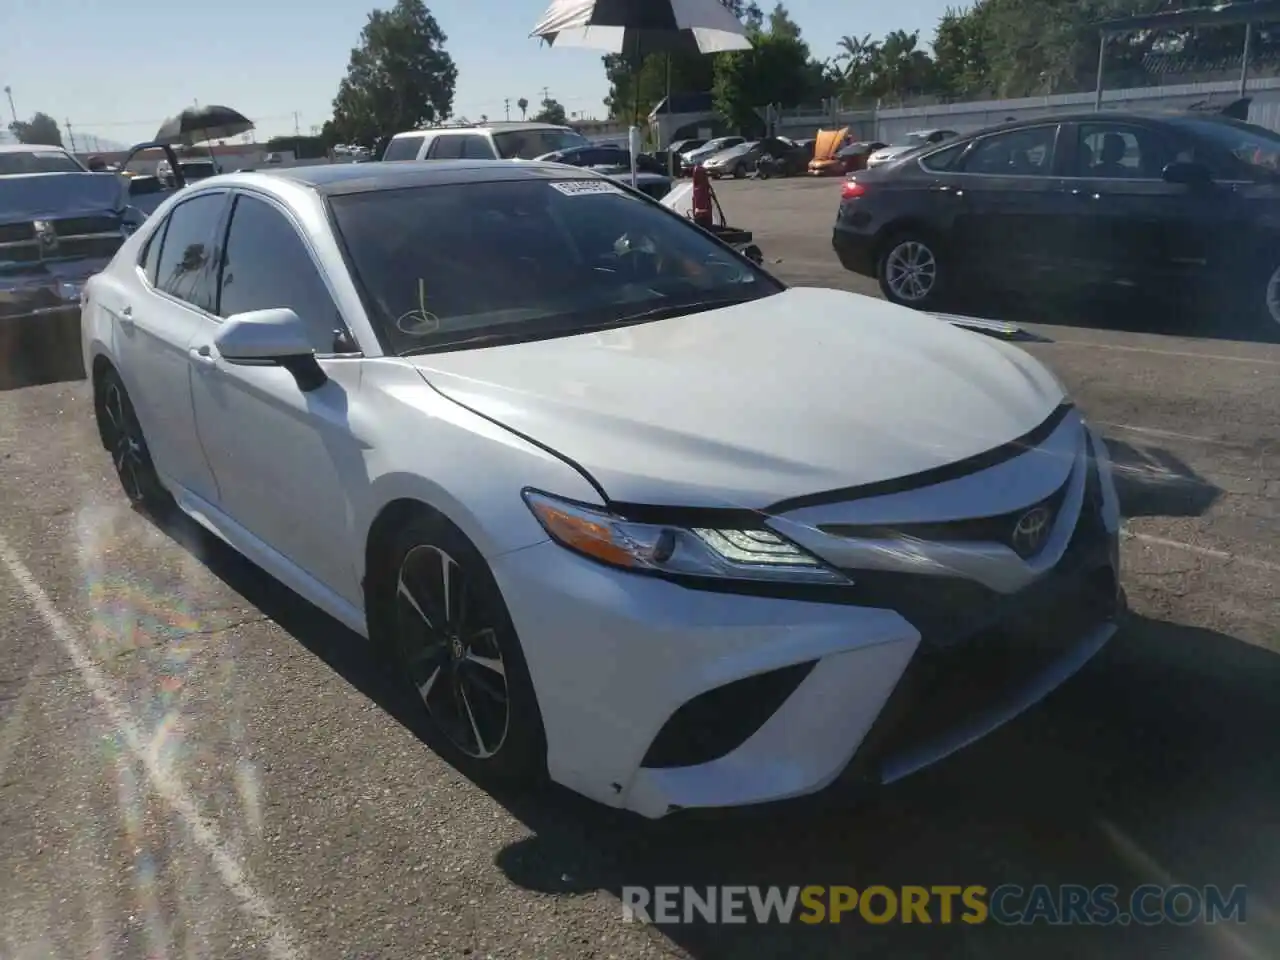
x=202, y=356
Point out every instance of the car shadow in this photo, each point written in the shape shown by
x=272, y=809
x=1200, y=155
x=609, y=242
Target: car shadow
x=1152, y=482
x=33, y=355
x=1124, y=311
x=1154, y=765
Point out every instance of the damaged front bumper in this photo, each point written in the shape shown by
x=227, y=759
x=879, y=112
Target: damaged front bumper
x=51, y=292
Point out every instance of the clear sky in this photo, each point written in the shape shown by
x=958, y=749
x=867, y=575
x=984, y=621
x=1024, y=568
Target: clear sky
x=117, y=68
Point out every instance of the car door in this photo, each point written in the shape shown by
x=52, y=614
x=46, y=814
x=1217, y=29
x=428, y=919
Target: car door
x=1008, y=201
x=282, y=457
x=1129, y=226
x=1120, y=205
x=154, y=326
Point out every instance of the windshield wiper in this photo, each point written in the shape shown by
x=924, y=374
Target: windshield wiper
x=683, y=309
x=484, y=339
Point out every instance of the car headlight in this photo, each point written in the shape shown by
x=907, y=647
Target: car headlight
x=734, y=554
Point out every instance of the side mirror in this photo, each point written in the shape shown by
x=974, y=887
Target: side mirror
x=1187, y=174
x=275, y=336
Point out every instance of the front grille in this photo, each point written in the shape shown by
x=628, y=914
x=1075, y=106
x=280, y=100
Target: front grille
x=1002, y=528
x=78, y=238
x=17, y=232
x=77, y=226
x=977, y=647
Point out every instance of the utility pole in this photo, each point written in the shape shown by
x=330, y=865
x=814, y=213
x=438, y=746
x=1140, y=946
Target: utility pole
x=297, y=130
x=71, y=135
x=8, y=92
x=506, y=106
x=546, y=94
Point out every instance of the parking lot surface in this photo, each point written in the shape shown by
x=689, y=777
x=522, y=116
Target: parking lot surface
x=195, y=763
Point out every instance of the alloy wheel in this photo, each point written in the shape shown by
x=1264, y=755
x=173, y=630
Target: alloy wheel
x=911, y=271
x=124, y=438
x=451, y=651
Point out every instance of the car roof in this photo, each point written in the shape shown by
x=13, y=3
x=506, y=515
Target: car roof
x=1118, y=116
x=492, y=126
x=29, y=147
x=344, y=178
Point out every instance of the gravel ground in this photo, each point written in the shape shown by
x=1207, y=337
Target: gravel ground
x=195, y=763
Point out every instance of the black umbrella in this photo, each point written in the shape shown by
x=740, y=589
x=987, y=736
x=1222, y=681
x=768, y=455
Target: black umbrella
x=197, y=124
x=643, y=27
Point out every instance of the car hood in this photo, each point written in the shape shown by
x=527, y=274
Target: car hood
x=50, y=196
x=804, y=391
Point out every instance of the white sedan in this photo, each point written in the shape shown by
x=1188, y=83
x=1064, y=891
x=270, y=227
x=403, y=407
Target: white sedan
x=629, y=512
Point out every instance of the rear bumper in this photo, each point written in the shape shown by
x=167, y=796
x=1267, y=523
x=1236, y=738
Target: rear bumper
x=855, y=250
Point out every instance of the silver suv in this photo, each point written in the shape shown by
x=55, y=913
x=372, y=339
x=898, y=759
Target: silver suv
x=514, y=140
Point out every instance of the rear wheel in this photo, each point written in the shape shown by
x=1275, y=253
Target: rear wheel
x=910, y=271
x=122, y=436
x=1268, y=312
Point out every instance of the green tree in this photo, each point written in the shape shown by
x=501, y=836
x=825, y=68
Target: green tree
x=41, y=128
x=902, y=69
x=551, y=112
x=523, y=104
x=961, y=47
x=776, y=70
x=399, y=77
x=857, y=61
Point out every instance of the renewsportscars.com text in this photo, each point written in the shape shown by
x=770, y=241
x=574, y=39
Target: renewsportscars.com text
x=1008, y=904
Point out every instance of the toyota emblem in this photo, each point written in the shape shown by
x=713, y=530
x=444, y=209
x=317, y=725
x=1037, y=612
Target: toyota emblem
x=1031, y=531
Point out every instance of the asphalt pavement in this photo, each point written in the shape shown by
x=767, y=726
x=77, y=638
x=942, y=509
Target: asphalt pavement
x=195, y=763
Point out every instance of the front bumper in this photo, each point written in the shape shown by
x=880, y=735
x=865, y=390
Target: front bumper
x=52, y=292
x=656, y=697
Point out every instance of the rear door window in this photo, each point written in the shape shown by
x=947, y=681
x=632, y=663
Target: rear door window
x=475, y=147
x=1017, y=153
x=404, y=148
x=189, y=247
x=446, y=146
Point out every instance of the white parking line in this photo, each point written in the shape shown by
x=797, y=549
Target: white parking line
x=1165, y=353
x=1245, y=561
x=281, y=943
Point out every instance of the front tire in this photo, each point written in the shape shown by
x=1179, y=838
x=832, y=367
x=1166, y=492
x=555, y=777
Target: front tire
x=910, y=271
x=1267, y=313
x=453, y=640
x=122, y=435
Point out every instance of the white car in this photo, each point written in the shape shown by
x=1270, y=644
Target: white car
x=629, y=511
x=912, y=141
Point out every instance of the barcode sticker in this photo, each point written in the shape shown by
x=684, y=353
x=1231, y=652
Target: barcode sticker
x=585, y=188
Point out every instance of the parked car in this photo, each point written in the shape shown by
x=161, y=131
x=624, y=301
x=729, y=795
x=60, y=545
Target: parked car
x=789, y=158
x=603, y=155
x=680, y=147
x=854, y=156
x=59, y=224
x=1168, y=203
x=737, y=161
x=912, y=142
x=826, y=145
x=498, y=140
x=692, y=158
x=592, y=549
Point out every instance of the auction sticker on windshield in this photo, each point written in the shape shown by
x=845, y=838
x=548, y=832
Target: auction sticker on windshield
x=586, y=188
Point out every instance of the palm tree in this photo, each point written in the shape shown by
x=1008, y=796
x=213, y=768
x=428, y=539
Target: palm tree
x=858, y=58
x=523, y=104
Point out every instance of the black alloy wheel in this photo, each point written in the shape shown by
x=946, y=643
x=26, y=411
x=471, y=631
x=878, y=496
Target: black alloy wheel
x=122, y=436
x=453, y=638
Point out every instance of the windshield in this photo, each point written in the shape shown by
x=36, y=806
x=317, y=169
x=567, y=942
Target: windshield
x=529, y=259
x=1254, y=146
x=530, y=144
x=21, y=162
